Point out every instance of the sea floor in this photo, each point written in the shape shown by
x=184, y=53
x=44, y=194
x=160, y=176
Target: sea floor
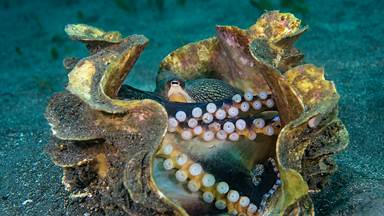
x=346, y=37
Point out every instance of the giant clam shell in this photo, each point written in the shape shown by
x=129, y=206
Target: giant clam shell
x=117, y=151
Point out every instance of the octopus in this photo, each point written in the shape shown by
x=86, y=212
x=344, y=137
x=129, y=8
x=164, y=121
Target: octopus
x=215, y=119
x=237, y=125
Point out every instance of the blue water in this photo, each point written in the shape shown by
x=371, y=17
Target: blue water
x=346, y=37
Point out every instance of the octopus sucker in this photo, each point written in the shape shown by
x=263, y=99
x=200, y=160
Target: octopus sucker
x=197, y=180
x=236, y=125
x=226, y=119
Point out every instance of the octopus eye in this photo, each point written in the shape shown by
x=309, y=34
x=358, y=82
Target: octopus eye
x=176, y=82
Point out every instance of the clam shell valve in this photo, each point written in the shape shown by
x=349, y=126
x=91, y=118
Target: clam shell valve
x=237, y=125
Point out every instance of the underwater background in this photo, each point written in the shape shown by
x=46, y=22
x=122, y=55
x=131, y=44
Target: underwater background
x=345, y=37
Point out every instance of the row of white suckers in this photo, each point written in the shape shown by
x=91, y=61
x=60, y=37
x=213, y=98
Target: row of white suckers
x=218, y=192
x=229, y=129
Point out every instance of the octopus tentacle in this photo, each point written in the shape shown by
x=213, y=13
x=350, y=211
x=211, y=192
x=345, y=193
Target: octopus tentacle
x=217, y=193
x=229, y=119
x=246, y=115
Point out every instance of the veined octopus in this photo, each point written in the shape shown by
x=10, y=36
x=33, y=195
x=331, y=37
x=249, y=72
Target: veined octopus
x=236, y=126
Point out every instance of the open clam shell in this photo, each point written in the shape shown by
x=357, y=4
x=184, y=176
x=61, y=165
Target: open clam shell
x=259, y=152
